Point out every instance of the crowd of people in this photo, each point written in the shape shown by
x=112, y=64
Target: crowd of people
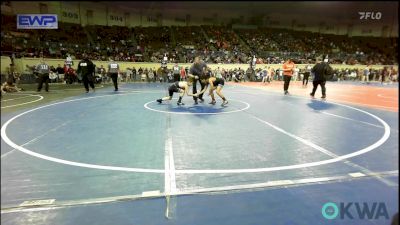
x=45, y=74
x=215, y=44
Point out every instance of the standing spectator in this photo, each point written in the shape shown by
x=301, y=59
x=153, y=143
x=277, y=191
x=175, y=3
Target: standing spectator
x=183, y=74
x=186, y=71
x=360, y=74
x=374, y=72
x=296, y=74
x=134, y=74
x=218, y=73
x=151, y=75
x=164, y=61
x=306, y=75
x=253, y=63
x=248, y=74
x=391, y=74
x=236, y=77
x=139, y=73
x=384, y=74
x=68, y=61
x=288, y=68
x=145, y=75
x=366, y=73
x=113, y=71
x=265, y=75
x=170, y=76
x=271, y=73
x=394, y=75
x=280, y=74
x=43, y=71
x=321, y=70
x=86, y=72
x=155, y=74
x=128, y=75
x=160, y=74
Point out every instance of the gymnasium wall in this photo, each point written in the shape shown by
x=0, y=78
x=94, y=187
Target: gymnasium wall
x=97, y=13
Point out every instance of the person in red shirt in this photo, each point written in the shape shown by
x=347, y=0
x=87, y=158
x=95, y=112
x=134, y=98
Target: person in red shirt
x=183, y=74
x=288, y=68
x=70, y=75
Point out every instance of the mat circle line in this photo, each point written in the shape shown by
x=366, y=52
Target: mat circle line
x=27, y=95
x=186, y=171
x=194, y=113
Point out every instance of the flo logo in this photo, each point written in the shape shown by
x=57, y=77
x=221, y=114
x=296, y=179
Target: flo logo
x=370, y=15
x=364, y=210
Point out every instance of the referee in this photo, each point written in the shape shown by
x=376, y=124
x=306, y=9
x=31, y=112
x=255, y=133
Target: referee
x=43, y=71
x=176, y=72
x=86, y=71
x=321, y=71
x=197, y=71
x=113, y=70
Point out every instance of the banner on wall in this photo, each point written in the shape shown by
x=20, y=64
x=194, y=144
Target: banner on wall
x=37, y=21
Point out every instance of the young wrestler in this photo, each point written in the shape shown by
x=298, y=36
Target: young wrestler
x=215, y=84
x=179, y=86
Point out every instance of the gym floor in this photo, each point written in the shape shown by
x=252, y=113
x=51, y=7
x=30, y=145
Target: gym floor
x=108, y=157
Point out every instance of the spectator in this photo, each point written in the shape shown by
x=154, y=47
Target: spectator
x=183, y=74
x=366, y=74
x=307, y=73
x=128, y=75
x=288, y=68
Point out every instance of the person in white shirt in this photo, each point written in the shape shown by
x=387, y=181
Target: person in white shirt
x=296, y=74
x=128, y=75
x=366, y=73
x=69, y=61
x=266, y=75
x=164, y=61
x=218, y=73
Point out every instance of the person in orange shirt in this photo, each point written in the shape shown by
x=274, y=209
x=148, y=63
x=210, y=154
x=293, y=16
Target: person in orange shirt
x=288, y=68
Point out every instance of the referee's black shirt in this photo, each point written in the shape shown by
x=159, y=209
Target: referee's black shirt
x=321, y=71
